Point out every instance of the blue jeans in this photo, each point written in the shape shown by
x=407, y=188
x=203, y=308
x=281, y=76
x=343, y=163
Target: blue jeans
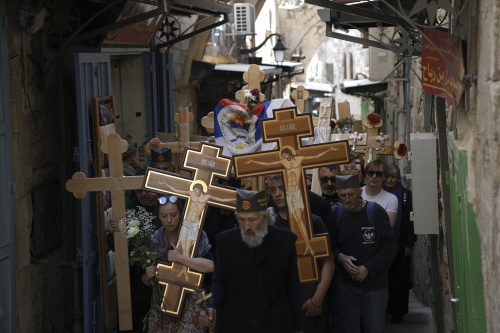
x=352, y=304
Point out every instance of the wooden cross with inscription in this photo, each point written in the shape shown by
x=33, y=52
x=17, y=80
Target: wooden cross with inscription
x=79, y=185
x=205, y=164
x=287, y=127
x=300, y=95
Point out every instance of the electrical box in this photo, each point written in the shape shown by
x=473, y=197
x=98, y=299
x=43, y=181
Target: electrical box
x=425, y=183
x=244, y=19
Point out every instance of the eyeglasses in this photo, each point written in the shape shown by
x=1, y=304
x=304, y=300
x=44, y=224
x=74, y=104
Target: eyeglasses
x=171, y=199
x=326, y=179
x=372, y=173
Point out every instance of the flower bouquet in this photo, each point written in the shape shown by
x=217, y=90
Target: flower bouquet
x=253, y=103
x=138, y=227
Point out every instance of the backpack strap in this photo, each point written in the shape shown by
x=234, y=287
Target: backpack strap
x=337, y=211
x=371, y=211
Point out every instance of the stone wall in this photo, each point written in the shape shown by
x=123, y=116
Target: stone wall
x=479, y=132
x=38, y=143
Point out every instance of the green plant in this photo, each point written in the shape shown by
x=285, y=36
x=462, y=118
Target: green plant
x=345, y=121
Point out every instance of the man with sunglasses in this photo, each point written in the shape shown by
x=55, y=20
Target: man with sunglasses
x=376, y=174
x=327, y=181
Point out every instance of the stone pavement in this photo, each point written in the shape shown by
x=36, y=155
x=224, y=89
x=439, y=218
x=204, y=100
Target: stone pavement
x=417, y=320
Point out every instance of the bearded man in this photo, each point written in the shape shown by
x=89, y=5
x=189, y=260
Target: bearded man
x=255, y=285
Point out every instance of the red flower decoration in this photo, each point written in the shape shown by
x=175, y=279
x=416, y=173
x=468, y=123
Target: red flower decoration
x=402, y=149
x=373, y=118
x=255, y=93
x=332, y=123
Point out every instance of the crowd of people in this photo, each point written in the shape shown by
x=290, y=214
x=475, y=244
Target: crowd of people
x=250, y=260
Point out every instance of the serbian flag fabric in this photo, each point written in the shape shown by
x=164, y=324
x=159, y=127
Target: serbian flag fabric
x=238, y=130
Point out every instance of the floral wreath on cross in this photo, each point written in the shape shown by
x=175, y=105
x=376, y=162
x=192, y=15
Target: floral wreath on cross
x=373, y=120
x=400, y=149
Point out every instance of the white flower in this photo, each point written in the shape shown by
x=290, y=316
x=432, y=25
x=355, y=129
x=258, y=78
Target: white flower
x=248, y=94
x=148, y=260
x=132, y=231
x=133, y=223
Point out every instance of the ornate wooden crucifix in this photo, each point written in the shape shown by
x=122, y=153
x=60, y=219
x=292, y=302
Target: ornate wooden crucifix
x=79, y=185
x=205, y=164
x=288, y=127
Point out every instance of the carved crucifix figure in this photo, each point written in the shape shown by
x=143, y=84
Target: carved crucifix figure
x=205, y=164
x=79, y=185
x=292, y=159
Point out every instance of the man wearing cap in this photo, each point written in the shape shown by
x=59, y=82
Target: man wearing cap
x=376, y=175
x=315, y=303
x=363, y=246
x=161, y=158
x=255, y=285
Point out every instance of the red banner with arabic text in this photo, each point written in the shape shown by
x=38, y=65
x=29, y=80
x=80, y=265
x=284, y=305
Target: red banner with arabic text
x=437, y=77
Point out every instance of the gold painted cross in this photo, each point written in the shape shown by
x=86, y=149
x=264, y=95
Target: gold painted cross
x=205, y=164
x=287, y=127
x=79, y=185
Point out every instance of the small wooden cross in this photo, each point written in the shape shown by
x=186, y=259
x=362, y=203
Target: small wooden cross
x=300, y=95
x=253, y=76
x=288, y=127
x=79, y=185
x=205, y=164
x=183, y=119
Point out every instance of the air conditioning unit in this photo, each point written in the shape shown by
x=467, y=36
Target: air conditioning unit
x=244, y=19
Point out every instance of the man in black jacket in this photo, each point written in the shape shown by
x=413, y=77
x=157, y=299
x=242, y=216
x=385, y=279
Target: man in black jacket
x=363, y=246
x=255, y=285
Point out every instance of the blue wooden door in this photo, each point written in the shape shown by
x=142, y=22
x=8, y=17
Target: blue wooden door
x=7, y=187
x=160, y=99
x=92, y=80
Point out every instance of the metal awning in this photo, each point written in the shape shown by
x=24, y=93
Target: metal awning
x=369, y=14
x=234, y=72
x=170, y=8
x=363, y=87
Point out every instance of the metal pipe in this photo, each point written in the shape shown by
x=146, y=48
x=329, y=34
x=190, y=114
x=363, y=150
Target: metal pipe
x=253, y=49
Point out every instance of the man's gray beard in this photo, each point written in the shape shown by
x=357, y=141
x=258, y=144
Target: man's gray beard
x=257, y=238
x=328, y=192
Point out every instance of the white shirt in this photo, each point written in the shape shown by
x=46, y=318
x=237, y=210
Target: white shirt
x=387, y=200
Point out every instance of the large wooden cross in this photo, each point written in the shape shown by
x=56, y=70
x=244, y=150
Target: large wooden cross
x=205, y=164
x=287, y=127
x=79, y=185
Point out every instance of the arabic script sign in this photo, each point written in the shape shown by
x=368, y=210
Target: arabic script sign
x=437, y=77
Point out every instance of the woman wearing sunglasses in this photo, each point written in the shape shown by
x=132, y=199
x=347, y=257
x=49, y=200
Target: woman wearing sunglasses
x=163, y=242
